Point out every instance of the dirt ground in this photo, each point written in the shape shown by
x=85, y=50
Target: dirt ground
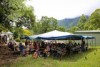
x=6, y=55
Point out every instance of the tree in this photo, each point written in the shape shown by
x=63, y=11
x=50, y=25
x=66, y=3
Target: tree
x=73, y=29
x=16, y=11
x=45, y=21
x=27, y=32
x=37, y=28
x=61, y=28
x=27, y=19
x=81, y=22
x=47, y=24
x=9, y=10
x=2, y=28
x=53, y=23
x=94, y=21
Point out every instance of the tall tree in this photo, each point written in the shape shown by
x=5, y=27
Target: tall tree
x=47, y=24
x=73, y=29
x=81, y=22
x=94, y=21
x=27, y=19
x=45, y=21
x=37, y=28
x=9, y=10
x=53, y=23
x=16, y=11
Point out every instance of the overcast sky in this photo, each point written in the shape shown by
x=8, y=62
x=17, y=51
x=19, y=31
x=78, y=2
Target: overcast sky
x=61, y=9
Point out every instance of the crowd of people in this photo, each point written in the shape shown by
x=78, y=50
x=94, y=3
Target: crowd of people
x=45, y=49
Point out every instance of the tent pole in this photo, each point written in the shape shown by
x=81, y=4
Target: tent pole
x=92, y=41
x=87, y=41
x=95, y=42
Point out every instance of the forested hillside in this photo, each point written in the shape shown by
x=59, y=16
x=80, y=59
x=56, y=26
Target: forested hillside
x=92, y=23
x=69, y=22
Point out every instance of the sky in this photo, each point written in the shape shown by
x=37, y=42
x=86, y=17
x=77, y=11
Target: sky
x=61, y=9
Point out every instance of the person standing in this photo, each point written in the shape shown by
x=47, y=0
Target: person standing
x=82, y=45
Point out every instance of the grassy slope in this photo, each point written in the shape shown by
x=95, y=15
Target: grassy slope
x=77, y=60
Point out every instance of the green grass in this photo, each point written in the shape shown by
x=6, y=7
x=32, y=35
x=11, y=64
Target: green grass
x=76, y=60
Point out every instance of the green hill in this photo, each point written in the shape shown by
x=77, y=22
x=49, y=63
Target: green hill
x=69, y=22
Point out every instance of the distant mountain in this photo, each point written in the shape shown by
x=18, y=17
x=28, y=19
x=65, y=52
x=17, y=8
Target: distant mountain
x=69, y=22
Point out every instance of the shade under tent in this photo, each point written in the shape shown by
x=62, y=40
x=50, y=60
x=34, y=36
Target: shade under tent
x=58, y=35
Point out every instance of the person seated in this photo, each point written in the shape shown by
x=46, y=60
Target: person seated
x=26, y=43
x=59, y=52
x=25, y=52
x=11, y=46
x=54, y=51
x=35, y=55
x=31, y=48
x=21, y=47
x=17, y=51
x=45, y=53
x=48, y=50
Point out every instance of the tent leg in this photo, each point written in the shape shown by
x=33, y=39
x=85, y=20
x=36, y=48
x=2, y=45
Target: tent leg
x=95, y=42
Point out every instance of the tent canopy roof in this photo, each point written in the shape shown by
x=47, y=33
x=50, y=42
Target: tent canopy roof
x=54, y=33
x=58, y=35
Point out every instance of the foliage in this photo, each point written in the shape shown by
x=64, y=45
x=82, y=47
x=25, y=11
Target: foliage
x=80, y=25
x=15, y=35
x=81, y=22
x=61, y=28
x=27, y=19
x=37, y=27
x=2, y=28
x=47, y=24
x=18, y=40
x=94, y=21
x=27, y=32
x=45, y=21
x=18, y=32
x=73, y=29
x=9, y=10
x=69, y=22
x=15, y=11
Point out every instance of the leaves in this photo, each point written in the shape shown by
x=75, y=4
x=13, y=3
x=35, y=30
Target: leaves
x=94, y=19
x=47, y=24
x=16, y=11
x=27, y=32
x=81, y=22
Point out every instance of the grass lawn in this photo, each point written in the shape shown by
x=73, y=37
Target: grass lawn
x=76, y=60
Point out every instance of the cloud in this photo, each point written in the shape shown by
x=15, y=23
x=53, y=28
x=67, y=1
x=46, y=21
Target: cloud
x=64, y=8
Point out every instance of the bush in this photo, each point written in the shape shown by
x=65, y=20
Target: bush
x=18, y=40
x=15, y=35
